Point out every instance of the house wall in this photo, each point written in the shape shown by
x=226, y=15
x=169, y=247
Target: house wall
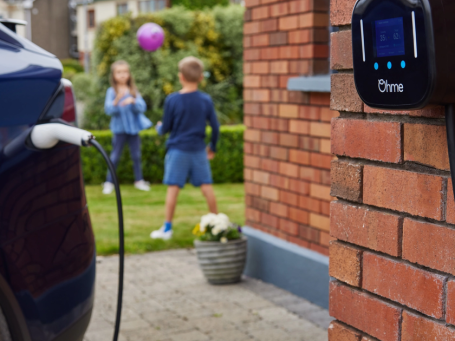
x=51, y=26
x=13, y=12
x=394, y=217
x=104, y=10
x=3, y=9
x=287, y=141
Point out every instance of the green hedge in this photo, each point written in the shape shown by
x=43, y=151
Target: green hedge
x=227, y=167
x=71, y=67
x=200, y=4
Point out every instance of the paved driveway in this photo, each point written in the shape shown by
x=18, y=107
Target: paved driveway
x=167, y=299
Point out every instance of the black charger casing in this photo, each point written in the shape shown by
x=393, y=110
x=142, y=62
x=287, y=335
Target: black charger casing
x=404, y=52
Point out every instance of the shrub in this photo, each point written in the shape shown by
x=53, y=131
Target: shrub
x=227, y=167
x=86, y=90
x=199, y=4
x=72, y=63
x=83, y=86
x=71, y=67
x=213, y=35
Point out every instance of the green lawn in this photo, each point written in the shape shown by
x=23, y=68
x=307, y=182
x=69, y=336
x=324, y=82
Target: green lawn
x=144, y=212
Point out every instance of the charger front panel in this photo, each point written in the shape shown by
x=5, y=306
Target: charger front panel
x=392, y=53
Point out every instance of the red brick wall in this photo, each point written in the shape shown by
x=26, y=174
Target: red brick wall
x=287, y=143
x=393, y=257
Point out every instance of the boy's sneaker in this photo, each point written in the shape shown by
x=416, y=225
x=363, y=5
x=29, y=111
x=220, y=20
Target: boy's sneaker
x=108, y=187
x=160, y=234
x=142, y=185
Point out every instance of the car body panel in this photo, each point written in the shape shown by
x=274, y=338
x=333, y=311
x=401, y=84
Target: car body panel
x=47, y=248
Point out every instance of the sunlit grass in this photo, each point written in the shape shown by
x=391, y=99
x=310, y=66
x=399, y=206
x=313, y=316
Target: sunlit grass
x=144, y=212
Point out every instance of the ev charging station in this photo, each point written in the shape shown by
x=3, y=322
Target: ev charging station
x=404, y=57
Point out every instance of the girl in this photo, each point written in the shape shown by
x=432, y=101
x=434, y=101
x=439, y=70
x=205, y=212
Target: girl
x=126, y=106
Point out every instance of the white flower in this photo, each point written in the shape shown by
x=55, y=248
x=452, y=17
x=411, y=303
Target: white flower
x=224, y=218
x=219, y=225
x=216, y=230
x=219, y=222
x=223, y=240
x=207, y=220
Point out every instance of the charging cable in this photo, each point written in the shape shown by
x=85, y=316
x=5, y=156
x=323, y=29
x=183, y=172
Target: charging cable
x=45, y=136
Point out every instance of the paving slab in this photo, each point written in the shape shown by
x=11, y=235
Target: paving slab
x=166, y=298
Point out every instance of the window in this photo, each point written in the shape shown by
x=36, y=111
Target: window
x=91, y=18
x=161, y=4
x=144, y=6
x=122, y=9
x=151, y=5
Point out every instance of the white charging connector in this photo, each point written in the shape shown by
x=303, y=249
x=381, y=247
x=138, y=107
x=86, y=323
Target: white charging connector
x=45, y=136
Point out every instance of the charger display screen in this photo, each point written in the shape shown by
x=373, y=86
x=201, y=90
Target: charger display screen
x=389, y=37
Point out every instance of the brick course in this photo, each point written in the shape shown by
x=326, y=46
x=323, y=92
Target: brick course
x=346, y=179
x=415, y=193
x=344, y=96
x=367, y=227
x=345, y=263
x=287, y=141
x=417, y=328
x=450, y=307
x=450, y=205
x=341, y=51
x=427, y=145
x=340, y=332
x=365, y=312
x=379, y=141
x=405, y=284
x=429, y=245
x=341, y=12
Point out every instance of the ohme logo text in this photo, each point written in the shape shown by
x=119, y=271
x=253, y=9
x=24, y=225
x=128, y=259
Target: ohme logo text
x=384, y=86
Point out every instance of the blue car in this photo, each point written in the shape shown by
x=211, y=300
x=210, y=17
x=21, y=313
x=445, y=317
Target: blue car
x=47, y=248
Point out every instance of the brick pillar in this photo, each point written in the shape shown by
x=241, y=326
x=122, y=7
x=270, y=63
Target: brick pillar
x=287, y=143
x=393, y=257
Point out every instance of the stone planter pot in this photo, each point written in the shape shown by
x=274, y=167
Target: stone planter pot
x=222, y=263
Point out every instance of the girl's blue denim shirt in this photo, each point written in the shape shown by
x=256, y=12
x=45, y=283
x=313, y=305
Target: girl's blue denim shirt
x=129, y=119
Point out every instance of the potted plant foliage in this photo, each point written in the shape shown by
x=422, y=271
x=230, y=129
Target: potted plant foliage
x=221, y=249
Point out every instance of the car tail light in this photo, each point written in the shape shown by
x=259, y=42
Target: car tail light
x=69, y=108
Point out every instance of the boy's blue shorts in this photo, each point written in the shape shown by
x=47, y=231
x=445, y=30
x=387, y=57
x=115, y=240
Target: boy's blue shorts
x=180, y=165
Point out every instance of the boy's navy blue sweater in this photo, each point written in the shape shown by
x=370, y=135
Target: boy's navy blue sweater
x=186, y=117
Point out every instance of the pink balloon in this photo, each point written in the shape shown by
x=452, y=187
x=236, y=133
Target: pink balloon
x=150, y=36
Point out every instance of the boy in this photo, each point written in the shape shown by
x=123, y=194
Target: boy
x=185, y=116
